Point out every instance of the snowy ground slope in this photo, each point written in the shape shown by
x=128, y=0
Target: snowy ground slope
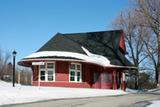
x=156, y=90
x=131, y=90
x=154, y=104
x=23, y=94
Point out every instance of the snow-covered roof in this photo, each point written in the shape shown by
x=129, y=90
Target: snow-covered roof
x=102, y=48
x=105, y=43
x=89, y=57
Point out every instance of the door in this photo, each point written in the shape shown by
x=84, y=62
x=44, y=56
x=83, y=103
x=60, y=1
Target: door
x=106, y=80
x=96, y=80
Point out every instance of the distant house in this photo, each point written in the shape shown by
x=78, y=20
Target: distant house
x=84, y=60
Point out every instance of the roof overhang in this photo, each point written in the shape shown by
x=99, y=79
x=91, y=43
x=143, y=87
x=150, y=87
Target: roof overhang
x=28, y=62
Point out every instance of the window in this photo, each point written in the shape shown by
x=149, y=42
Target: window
x=106, y=77
x=47, y=72
x=50, y=75
x=42, y=75
x=75, y=72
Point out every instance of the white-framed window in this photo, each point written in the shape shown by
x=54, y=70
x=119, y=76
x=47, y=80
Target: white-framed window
x=47, y=72
x=75, y=72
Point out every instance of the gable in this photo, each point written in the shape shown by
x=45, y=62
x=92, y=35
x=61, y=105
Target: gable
x=61, y=42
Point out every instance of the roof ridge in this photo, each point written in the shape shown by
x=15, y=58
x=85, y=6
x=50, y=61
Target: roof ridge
x=117, y=30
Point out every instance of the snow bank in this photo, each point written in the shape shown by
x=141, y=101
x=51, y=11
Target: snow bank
x=154, y=104
x=156, y=90
x=23, y=94
x=90, y=57
x=131, y=90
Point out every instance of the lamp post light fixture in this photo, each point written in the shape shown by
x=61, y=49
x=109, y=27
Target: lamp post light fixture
x=14, y=58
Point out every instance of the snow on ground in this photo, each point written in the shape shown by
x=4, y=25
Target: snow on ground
x=154, y=104
x=156, y=90
x=24, y=94
x=131, y=90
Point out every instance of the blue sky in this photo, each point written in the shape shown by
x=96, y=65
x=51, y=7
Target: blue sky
x=25, y=25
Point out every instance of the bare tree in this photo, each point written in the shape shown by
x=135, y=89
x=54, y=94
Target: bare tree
x=151, y=51
x=23, y=75
x=150, y=11
x=134, y=37
x=4, y=58
x=145, y=80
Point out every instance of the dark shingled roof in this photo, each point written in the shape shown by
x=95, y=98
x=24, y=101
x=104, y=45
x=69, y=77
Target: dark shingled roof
x=104, y=43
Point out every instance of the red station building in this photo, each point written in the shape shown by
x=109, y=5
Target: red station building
x=82, y=60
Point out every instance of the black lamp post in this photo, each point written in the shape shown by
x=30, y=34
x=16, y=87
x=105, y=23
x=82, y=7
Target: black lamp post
x=14, y=57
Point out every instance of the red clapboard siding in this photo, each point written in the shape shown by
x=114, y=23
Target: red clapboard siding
x=88, y=70
x=62, y=71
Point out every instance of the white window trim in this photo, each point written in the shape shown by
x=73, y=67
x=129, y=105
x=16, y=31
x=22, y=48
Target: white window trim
x=123, y=76
x=76, y=73
x=46, y=74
